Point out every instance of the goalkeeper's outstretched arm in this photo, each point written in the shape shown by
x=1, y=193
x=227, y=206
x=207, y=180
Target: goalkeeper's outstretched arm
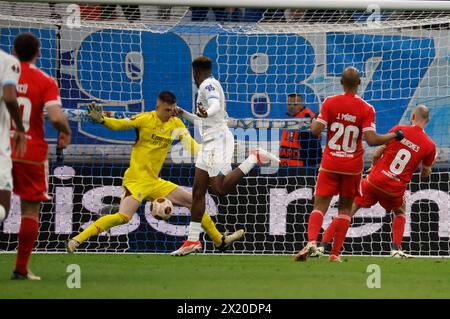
x=118, y=124
x=95, y=112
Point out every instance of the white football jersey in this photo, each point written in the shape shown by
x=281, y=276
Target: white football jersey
x=9, y=75
x=212, y=89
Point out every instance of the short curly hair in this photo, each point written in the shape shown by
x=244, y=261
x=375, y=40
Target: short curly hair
x=202, y=63
x=26, y=46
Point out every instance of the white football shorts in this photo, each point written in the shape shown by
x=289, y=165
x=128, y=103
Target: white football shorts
x=216, y=153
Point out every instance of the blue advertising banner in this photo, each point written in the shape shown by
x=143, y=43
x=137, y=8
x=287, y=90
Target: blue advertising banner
x=126, y=69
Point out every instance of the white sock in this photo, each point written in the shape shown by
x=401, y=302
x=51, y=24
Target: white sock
x=194, y=231
x=247, y=165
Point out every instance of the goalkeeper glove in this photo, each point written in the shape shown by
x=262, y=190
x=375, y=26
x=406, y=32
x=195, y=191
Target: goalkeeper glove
x=95, y=112
x=399, y=135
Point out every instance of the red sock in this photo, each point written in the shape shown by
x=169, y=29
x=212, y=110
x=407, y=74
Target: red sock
x=329, y=233
x=398, y=229
x=314, y=224
x=342, y=224
x=29, y=228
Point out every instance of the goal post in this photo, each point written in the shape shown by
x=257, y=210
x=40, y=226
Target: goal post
x=121, y=54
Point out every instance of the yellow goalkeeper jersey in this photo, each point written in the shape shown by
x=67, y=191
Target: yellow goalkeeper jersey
x=153, y=141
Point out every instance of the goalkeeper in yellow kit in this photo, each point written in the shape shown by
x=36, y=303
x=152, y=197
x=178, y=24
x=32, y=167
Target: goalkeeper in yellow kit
x=156, y=130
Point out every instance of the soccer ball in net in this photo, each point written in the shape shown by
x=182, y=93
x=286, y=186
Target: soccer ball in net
x=162, y=208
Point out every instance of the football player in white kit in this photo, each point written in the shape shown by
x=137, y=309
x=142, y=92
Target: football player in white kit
x=213, y=165
x=9, y=108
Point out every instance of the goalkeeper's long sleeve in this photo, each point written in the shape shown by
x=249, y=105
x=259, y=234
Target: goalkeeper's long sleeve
x=186, y=140
x=190, y=144
x=118, y=124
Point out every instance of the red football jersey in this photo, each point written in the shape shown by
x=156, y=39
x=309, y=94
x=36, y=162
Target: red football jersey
x=402, y=158
x=35, y=91
x=346, y=116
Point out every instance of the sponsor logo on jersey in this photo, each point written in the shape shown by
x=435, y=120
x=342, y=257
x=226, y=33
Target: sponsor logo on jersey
x=210, y=88
x=161, y=141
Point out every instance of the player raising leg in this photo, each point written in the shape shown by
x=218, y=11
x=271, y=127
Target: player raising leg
x=392, y=169
x=213, y=165
x=347, y=117
x=156, y=132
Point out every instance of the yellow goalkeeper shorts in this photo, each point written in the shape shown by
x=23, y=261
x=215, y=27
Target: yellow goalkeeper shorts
x=148, y=189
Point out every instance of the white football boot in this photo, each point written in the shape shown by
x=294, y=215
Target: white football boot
x=228, y=240
x=306, y=252
x=187, y=248
x=320, y=250
x=72, y=245
x=400, y=254
x=29, y=276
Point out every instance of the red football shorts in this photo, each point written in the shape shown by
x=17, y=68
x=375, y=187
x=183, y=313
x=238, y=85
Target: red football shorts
x=30, y=181
x=330, y=184
x=371, y=195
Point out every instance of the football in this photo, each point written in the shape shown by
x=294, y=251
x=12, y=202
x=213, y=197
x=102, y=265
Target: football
x=162, y=208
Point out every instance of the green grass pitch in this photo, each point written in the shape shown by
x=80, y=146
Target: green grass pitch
x=225, y=276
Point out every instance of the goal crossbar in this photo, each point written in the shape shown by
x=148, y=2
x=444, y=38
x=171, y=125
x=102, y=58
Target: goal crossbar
x=282, y=4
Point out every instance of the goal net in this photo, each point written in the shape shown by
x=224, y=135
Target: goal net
x=122, y=56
